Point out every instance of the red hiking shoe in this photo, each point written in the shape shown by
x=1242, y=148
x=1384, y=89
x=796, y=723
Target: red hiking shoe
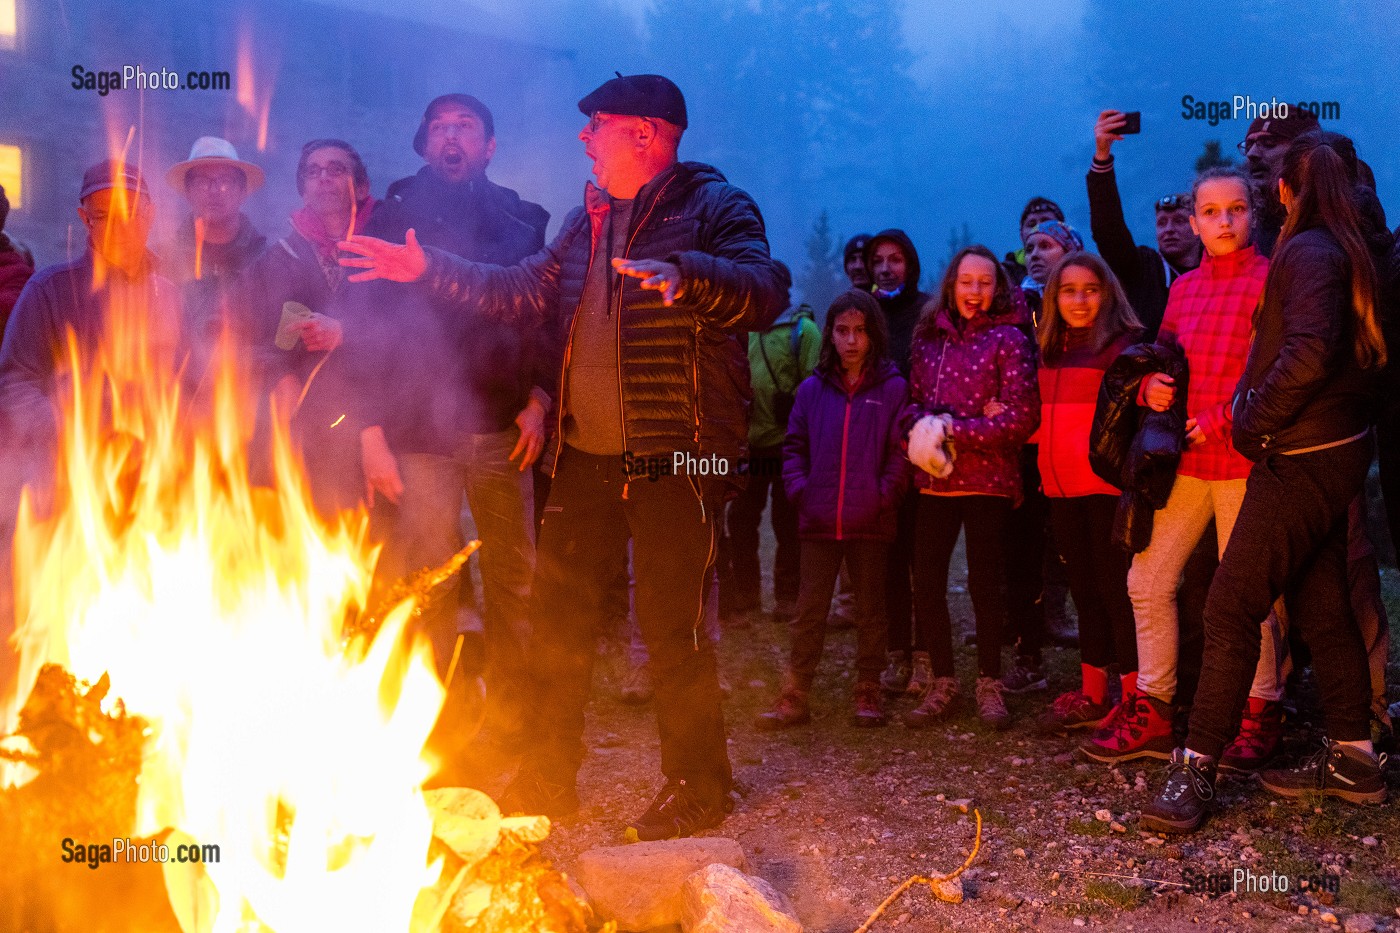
x=1138, y=727
x=870, y=709
x=1257, y=743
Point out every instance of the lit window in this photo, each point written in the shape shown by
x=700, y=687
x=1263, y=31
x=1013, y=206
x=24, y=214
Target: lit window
x=8, y=28
x=11, y=176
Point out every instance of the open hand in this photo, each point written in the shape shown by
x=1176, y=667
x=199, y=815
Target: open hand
x=664, y=277
x=384, y=260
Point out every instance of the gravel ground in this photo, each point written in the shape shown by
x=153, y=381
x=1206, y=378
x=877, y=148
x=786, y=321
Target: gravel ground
x=837, y=817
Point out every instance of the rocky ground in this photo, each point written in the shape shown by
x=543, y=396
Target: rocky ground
x=837, y=817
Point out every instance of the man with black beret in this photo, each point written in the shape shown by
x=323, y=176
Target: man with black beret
x=654, y=280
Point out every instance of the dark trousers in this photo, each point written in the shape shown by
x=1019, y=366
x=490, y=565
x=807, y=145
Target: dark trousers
x=591, y=512
x=899, y=586
x=1098, y=579
x=1025, y=562
x=1190, y=606
x=745, y=516
x=940, y=519
x=1289, y=540
x=821, y=564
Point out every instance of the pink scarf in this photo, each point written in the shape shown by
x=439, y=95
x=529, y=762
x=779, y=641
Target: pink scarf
x=308, y=223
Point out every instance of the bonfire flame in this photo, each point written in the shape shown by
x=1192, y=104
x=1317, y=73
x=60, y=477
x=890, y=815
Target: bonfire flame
x=219, y=611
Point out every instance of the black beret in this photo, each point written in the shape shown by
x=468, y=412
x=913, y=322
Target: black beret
x=638, y=96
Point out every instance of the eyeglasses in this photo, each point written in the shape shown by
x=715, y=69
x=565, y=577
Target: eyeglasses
x=221, y=185
x=599, y=118
x=1268, y=139
x=332, y=170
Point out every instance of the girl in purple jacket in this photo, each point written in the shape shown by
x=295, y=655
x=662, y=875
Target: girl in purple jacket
x=972, y=364
x=844, y=469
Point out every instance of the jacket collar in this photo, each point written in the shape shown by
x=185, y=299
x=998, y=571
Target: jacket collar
x=1231, y=264
x=836, y=377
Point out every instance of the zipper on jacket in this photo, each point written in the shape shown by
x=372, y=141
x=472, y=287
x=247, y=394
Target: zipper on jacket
x=841, y=480
x=1050, y=434
x=564, y=369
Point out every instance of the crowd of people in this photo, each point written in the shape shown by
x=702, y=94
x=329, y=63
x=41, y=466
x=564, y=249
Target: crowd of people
x=1176, y=437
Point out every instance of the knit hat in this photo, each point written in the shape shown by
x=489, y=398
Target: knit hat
x=638, y=96
x=1298, y=122
x=1041, y=204
x=483, y=113
x=855, y=246
x=1062, y=233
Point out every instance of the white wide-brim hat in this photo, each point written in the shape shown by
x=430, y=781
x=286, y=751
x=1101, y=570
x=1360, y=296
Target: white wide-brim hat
x=211, y=150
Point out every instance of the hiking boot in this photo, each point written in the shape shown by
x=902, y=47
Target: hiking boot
x=991, y=705
x=679, y=810
x=1072, y=710
x=1257, y=743
x=935, y=705
x=1025, y=676
x=1334, y=770
x=896, y=676
x=790, y=709
x=533, y=794
x=1180, y=805
x=638, y=687
x=1139, y=727
x=870, y=709
x=920, y=676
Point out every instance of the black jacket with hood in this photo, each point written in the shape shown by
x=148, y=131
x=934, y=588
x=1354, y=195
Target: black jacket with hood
x=682, y=372
x=905, y=307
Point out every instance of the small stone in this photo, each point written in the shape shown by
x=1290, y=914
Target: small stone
x=1360, y=923
x=1054, y=876
x=962, y=804
x=1328, y=917
x=640, y=885
x=1117, y=827
x=1303, y=909
x=1079, y=922
x=1370, y=841
x=949, y=891
x=1019, y=852
x=1103, y=816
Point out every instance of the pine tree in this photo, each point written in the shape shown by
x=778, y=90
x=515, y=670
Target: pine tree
x=1211, y=156
x=823, y=278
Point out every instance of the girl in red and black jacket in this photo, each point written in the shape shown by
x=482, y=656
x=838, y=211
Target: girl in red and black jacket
x=972, y=364
x=845, y=470
x=1085, y=323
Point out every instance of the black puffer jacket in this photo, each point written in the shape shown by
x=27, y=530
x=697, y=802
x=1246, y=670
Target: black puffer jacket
x=684, y=375
x=1302, y=385
x=1135, y=448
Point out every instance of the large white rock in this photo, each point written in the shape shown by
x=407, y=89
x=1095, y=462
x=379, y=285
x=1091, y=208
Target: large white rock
x=639, y=885
x=720, y=899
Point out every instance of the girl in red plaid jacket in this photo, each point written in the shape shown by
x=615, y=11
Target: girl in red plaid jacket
x=1209, y=317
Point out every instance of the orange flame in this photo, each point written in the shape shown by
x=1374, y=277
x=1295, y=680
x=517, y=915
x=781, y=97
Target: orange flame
x=217, y=609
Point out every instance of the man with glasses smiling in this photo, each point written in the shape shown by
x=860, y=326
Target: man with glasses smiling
x=1264, y=145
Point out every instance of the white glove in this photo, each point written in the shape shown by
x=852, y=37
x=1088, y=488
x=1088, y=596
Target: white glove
x=930, y=447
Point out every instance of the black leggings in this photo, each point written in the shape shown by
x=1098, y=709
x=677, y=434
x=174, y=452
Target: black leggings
x=1098, y=579
x=939, y=520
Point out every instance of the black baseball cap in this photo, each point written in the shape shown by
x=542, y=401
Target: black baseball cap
x=112, y=173
x=483, y=113
x=638, y=96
